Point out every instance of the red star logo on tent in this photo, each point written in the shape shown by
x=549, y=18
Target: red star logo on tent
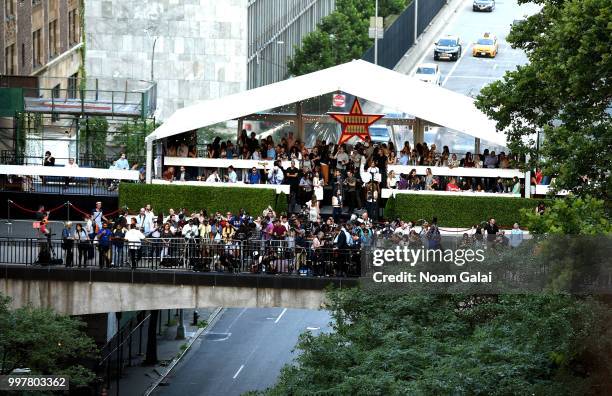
x=355, y=123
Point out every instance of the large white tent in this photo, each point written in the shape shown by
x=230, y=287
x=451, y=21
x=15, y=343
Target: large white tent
x=362, y=79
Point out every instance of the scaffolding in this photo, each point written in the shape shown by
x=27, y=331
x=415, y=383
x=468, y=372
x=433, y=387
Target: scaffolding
x=67, y=120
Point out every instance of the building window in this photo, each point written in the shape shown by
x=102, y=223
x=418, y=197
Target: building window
x=23, y=55
x=53, y=39
x=73, y=27
x=72, y=86
x=36, y=48
x=55, y=92
x=9, y=9
x=10, y=59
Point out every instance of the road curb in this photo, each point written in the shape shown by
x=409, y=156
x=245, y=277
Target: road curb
x=212, y=320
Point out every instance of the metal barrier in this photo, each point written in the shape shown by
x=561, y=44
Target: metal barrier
x=59, y=185
x=128, y=344
x=233, y=256
x=400, y=36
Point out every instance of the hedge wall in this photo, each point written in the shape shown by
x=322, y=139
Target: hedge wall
x=194, y=198
x=457, y=211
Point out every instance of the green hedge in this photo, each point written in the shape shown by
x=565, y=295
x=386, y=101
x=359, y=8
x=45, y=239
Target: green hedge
x=457, y=211
x=193, y=198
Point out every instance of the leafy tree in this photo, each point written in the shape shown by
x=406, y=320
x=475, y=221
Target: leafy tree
x=571, y=216
x=44, y=342
x=341, y=36
x=563, y=93
x=388, y=344
x=573, y=239
x=131, y=137
x=93, y=137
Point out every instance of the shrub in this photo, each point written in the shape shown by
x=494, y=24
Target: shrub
x=458, y=211
x=194, y=198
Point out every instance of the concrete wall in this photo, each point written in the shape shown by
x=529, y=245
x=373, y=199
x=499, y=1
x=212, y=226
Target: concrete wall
x=80, y=298
x=200, y=53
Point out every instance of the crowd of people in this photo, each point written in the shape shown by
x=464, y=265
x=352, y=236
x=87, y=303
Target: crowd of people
x=237, y=242
x=355, y=173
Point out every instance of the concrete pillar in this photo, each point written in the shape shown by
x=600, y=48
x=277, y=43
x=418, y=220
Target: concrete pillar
x=180, y=328
x=477, y=146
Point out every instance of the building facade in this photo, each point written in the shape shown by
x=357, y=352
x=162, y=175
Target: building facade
x=192, y=49
x=275, y=28
x=41, y=38
x=196, y=49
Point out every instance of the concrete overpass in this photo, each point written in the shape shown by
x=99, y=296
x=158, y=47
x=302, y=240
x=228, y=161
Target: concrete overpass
x=75, y=291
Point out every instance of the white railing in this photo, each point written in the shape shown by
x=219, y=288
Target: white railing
x=543, y=189
x=221, y=163
x=459, y=172
x=390, y=192
x=94, y=173
x=421, y=170
x=284, y=188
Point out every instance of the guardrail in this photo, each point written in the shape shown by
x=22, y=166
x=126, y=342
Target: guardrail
x=233, y=256
x=126, y=345
x=94, y=173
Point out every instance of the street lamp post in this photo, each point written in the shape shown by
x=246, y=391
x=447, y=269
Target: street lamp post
x=150, y=31
x=153, y=58
x=376, y=34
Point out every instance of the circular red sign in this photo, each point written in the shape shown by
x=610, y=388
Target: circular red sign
x=339, y=100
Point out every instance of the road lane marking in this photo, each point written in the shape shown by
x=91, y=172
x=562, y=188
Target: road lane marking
x=280, y=316
x=214, y=337
x=238, y=372
x=235, y=319
x=452, y=70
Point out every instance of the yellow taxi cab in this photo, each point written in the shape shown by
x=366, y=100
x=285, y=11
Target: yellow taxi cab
x=486, y=46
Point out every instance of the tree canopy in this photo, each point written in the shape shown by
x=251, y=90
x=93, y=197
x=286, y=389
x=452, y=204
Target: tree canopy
x=44, y=342
x=341, y=36
x=387, y=344
x=564, y=93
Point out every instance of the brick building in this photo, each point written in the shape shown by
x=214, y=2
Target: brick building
x=41, y=38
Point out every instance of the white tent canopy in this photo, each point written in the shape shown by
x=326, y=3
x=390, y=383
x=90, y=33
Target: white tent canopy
x=359, y=78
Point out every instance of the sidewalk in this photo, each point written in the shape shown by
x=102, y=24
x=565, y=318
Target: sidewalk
x=136, y=380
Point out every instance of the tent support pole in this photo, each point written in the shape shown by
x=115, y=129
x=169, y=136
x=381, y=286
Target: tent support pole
x=149, y=164
x=299, y=121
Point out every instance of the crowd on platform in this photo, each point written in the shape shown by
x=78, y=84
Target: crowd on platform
x=222, y=241
x=355, y=173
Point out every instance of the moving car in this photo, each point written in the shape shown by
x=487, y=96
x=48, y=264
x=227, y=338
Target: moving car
x=483, y=5
x=448, y=47
x=486, y=46
x=429, y=73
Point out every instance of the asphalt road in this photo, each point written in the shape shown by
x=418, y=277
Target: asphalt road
x=244, y=351
x=469, y=75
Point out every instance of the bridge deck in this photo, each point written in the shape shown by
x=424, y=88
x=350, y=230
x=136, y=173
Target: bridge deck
x=172, y=277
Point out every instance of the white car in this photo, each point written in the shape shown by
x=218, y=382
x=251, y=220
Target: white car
x=429, y=73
